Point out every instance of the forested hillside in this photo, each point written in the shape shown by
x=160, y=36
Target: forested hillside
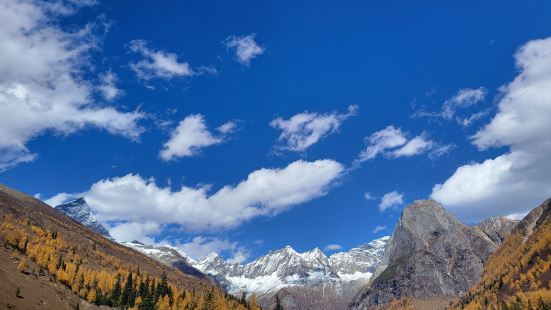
x=50, y=248
x=518, y=276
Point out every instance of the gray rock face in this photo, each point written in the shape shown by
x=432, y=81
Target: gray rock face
x=431, y=254
x=79, y=211
x=497, y=228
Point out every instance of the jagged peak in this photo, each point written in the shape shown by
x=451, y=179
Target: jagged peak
x=211, y=256
x=79, y=201
x=288, y=249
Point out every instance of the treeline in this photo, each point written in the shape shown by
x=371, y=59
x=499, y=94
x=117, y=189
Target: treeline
x=102, y=279
x=517, y=276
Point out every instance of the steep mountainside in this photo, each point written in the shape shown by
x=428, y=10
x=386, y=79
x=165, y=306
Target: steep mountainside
x=431, y=254
x=497, y=228
x=79, y=211
x=518, y=274
x=169, y=256
x=59, y=259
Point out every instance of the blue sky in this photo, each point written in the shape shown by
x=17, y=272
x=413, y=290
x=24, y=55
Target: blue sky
x=134, y=73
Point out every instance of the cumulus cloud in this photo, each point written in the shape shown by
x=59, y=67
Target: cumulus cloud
x=191, y=136
x=42, y=85
x=392, y=142
x=140, y=231
x=379, y=228
x=108, y=87
x=133, y=201
x=462, y=99
x=58, y=199
x=519, y=179
x=305, y=129
x=245, y=47
x=391, y=200
x=333, y=247
x=200, y=247
x=157, y=63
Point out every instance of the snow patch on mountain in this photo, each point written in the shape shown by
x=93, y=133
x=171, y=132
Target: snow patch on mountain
x=79, y=211
x=287, y=268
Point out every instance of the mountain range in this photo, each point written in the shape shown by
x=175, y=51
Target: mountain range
x=49, y=261
x=432, y=260
x=282, y=272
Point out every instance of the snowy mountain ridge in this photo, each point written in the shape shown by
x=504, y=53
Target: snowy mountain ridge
x=79, y=211
x=286, y=268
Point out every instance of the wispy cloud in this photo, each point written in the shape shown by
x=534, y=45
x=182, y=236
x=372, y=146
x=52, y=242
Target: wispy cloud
x=333, y=247
x=158, y=63
x=392, y=142
x=464, y=98
x=391, y=200
x=245, y=47
x=303, y=130
x=379, y=228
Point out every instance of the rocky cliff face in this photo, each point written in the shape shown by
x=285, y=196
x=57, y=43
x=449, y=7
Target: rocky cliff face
x=432, y=254
x=517, y=275
x=497, y=228
x=79, y=211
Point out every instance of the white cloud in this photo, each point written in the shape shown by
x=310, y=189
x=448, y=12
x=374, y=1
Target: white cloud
x=333, y=247
x=368, y=196
x=392, y=142
x=191, y=136
x=107, y=86
x=245, y=47
x=462, y=99
x=391, y=200
x=414, y=146
x=519, y=179
x=140, y=231
x=42, y=85
x=379, y=228
x=58, y=199
x=517, y=216
x=265, y=192
x=305, y=129
x=157, y=63
x=200, y=247
x=227, y=127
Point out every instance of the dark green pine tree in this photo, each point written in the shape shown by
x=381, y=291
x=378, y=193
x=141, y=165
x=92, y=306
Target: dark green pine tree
x=148, y=300
x=100, y=300
x=209, y=302
x=163, y=288
x=243, y=299
x=278, y=305
x=143, y=288
x=153, y=290
x=127, y=298
x=116, y=293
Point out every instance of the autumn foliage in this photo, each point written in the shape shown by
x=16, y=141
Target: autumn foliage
x=517, y=276
x=102, y=279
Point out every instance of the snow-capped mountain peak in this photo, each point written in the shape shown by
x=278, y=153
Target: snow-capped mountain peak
x=79, y=211
x=288, y=268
